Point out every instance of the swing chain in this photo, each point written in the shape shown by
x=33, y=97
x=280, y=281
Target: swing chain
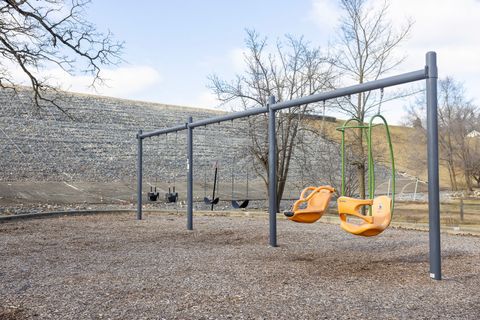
x=381, y=100
x=175, y=160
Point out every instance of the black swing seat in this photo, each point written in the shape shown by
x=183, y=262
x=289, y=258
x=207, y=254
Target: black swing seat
x=171, y=197
x=208, y=201
x=153, y=196
x=242, y=205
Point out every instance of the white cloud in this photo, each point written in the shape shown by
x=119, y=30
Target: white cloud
x=205, y=100
x=325, y=14
x=237, y=59
x=128, y=81
x=121, y=82
x=447, y=27
x=438, y=22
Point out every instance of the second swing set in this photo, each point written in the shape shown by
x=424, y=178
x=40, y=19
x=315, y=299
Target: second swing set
x=314, y=201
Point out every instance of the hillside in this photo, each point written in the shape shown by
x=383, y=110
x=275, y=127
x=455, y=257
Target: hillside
x=409, y=146
x=45, y=155
x=48, y=157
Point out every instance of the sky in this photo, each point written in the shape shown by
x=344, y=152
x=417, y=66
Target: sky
x=171, y=47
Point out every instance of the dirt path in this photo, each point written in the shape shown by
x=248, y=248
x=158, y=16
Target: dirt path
x=111, y=266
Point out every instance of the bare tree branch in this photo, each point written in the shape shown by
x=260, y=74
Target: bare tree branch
x=291, y=70
x=367, y=44
x=457, y=118
x=38, y=34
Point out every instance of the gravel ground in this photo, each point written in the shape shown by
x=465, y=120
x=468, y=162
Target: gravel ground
x=111, y=266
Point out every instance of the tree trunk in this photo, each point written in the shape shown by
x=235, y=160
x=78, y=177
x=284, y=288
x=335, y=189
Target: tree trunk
x=466, y=160
x=468, y=181
x=477, y=180
x=280, y=190
x=361, y=151
x=452, y=176
x=451, y=162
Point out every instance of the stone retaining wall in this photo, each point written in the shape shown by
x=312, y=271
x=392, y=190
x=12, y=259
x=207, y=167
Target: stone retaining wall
x=100, y=144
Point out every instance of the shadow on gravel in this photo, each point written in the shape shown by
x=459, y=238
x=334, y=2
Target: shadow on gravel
x=348, y=264
x=11, y=313
x=348, y=258
x=227, y=237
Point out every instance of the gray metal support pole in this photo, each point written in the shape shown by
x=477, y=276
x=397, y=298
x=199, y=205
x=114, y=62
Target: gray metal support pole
x=190, y=176
x=433, y=179
x=139, y=175
x=272, y=173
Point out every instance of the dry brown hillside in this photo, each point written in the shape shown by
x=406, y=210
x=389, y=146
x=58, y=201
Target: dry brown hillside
x=409, y=146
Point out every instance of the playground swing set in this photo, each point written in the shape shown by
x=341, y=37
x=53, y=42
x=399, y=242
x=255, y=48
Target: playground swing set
x=316, y=199
x=380, y=208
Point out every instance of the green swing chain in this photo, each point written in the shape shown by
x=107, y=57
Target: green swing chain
x=368, y=136
x=371, y=162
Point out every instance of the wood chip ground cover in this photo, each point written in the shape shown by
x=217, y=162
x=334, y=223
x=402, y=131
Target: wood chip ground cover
x=114, y=267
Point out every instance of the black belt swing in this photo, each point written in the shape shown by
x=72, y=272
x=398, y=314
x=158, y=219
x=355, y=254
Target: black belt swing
x=214, y=200
x=172, y=197
x=238, y=204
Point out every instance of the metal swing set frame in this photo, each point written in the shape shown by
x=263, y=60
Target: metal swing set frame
x=429, y=73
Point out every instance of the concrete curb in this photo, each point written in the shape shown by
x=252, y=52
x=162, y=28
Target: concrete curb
x=455, y=230
x=43, y=215
x=52, y=214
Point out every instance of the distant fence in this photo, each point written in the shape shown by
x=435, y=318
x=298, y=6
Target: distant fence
x=452, y=213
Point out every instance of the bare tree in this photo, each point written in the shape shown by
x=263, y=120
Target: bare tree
x=457, y=117
x=319, y=162
x=366, y=50
x=475, y=159
x=292, y=69
x=462, y=125
x=37, y=34
x=446, y=114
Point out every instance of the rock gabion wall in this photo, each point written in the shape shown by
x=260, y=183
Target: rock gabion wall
x=99, y=144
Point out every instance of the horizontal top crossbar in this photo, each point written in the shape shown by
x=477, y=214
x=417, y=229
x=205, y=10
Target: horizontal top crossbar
x=362, y=87
x=163, y=131
x=227, y=117
x=337, y=93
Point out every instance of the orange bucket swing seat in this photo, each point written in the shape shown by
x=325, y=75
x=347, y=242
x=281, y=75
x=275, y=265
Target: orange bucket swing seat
x=316, y=204
x=381, y=207
x=370, y=225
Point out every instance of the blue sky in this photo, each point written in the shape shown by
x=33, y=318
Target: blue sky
x=172, y=46
x=185, y=41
